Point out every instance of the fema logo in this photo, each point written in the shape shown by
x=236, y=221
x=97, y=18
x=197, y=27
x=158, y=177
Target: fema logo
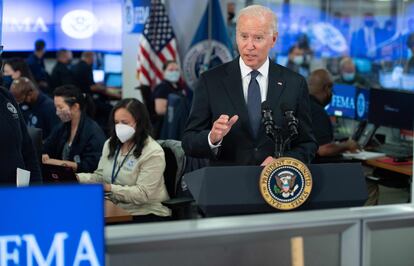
x=11, y=108
x=203, y=56
x=33, y=120
x=79, y=24
x=285, y=183
x=129, y=16
x=360, y=104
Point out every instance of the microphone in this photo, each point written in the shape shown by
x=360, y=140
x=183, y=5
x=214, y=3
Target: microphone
x=292, y=121
x=267, y=120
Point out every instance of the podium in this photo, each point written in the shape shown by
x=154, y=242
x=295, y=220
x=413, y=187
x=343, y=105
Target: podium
x=234, y=190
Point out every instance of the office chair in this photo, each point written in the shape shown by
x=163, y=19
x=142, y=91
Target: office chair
x=175, y=164
x=36, y=136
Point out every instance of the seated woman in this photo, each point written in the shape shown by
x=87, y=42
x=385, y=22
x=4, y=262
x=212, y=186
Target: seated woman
x=132, y=164
x=76, y=142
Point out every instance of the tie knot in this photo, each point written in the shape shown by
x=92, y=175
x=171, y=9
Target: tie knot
x=254, y=74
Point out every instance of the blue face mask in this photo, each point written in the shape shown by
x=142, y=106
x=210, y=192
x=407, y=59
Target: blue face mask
x=298, y=60
x=7, y=81
x=348, y=76
x=172, y=76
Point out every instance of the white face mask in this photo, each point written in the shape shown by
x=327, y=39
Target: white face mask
x=298, y=60
x=172, y=76
x=124, y=132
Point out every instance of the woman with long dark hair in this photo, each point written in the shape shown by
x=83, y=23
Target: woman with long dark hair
x=132, y=163
x=76, y=142
x=15, y=68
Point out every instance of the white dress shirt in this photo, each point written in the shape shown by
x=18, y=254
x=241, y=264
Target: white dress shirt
x=262, y=79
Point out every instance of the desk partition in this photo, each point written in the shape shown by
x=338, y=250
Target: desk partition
x=331, y=237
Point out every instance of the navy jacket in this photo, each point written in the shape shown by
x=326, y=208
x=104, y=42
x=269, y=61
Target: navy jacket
x=219, y=91
x=86, y=147
x=16, y=146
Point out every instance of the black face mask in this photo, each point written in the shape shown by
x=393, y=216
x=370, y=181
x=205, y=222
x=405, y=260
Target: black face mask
x=328, y=99
x=230, y=16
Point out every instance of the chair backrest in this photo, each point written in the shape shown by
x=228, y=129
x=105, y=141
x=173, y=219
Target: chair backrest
x=36, y=136
x=176, y=116
x=175, y=162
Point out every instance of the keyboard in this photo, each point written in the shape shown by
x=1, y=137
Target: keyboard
x=395, y=150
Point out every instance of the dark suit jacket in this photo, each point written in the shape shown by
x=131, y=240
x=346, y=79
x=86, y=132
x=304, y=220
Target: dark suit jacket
x=86, y=149
x=220, y=91
x=359, y=47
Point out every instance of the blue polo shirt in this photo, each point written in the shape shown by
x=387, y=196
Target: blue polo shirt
x=42, y=114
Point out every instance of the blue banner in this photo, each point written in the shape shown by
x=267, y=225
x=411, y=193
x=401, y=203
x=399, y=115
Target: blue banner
x=136, y=13
x=211, y=45
x=72, y=24
x=52, y=225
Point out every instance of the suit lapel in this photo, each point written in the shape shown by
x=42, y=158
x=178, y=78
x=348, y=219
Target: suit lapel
x=234, y=88
x=275, y=86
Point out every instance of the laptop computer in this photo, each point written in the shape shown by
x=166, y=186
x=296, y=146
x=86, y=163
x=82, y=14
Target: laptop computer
x=53, y=174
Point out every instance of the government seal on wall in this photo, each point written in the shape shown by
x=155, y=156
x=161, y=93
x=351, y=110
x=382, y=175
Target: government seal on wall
x=203, y=56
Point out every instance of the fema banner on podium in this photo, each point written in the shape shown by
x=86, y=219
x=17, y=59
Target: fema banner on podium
x=52, y=225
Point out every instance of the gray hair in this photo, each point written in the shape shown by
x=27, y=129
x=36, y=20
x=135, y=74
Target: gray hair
x=346, y=61
x=259, y=11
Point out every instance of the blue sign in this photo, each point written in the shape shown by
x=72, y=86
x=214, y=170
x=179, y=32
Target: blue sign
x=343, y=101
x=71, y=24
x=362, y=104
x=136, y=13
x=52, y=225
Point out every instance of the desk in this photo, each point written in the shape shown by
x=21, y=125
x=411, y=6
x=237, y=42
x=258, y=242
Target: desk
x=406, y=169
x=115, y=214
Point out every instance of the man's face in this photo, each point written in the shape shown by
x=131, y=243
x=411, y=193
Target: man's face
x=254, y=39
x=348, y=68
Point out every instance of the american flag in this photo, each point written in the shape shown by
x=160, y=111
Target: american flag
x=157, y=45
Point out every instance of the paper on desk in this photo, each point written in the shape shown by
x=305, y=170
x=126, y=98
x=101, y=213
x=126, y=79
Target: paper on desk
x=363, y=155
x=22, y=177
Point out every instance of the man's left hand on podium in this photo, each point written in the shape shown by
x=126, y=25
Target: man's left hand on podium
x=268, y=160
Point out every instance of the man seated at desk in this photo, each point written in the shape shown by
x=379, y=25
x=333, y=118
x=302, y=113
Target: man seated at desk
x=320, y=90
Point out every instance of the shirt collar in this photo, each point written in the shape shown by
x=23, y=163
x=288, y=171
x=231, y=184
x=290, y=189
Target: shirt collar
x=245, y=70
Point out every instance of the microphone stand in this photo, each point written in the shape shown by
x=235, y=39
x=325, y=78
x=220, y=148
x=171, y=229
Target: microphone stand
x=278, y=140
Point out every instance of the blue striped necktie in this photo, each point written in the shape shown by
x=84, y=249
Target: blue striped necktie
x=254, y=102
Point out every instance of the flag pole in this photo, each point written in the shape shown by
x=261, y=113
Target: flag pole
x=207, y=56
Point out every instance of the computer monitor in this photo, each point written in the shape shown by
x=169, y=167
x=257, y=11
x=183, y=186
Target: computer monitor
x=114, y=80
x=387, y=81
x=407, y=82
x=112, y=63
x=343, y=101
x=362, y=99
x=363, y=65
x=98, y=75
x=391, y=108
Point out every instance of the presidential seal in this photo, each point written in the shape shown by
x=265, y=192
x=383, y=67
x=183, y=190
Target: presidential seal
x=286, y=183
x=203, y=56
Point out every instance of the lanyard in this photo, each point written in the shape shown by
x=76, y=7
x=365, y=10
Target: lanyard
x=115, y=174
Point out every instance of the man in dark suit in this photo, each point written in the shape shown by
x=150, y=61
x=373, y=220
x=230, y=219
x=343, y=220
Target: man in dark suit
x=225, y=120
x=365, y=40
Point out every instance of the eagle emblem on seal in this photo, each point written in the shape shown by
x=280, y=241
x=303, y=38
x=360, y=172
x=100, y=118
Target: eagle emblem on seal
x=285, y=184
